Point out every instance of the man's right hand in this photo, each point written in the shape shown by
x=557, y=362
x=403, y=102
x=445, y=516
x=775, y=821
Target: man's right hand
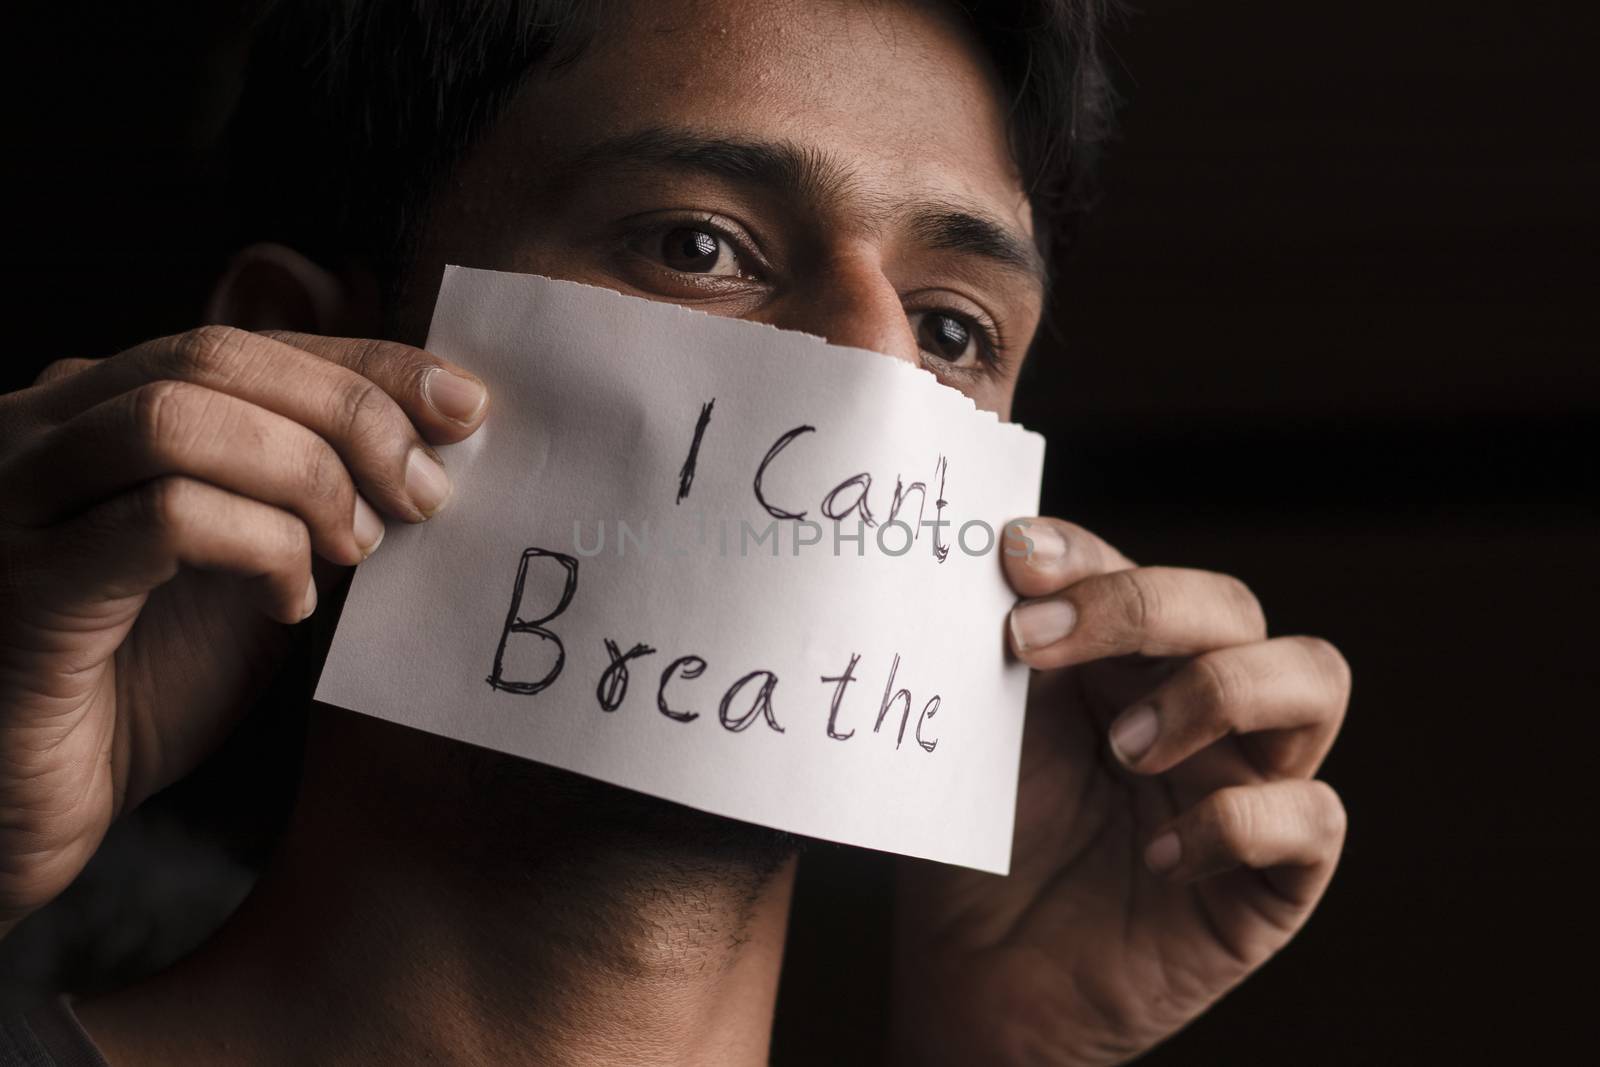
x=159, y=511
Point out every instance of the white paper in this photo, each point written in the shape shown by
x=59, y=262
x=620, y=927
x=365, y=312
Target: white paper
x=595, y=402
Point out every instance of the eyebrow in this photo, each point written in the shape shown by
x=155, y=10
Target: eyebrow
x=960, y=229
x=812, y=175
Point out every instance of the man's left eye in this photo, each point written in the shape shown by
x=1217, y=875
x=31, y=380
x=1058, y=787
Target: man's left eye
x=948, y=338
x=695, y=250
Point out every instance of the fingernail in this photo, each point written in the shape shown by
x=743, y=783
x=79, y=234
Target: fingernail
x=310, y=603
x=453, y=396
x=1163, y=854
x=368, y=527
x=1134, y=732
x=426, y=482
x=1048, y=545
x=1037, y=623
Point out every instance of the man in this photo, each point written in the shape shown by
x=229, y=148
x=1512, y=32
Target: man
x=889, y=175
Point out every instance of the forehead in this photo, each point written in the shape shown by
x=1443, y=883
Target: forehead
x=897, y=96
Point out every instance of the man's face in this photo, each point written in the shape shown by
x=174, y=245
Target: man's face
x=834, y=167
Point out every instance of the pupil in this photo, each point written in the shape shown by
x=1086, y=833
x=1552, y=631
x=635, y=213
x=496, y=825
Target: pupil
x=697, y=248
x=950, y=335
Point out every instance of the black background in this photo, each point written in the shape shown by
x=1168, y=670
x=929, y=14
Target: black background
x=1331, y=331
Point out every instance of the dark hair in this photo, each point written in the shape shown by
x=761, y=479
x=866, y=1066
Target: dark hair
x=353, y=111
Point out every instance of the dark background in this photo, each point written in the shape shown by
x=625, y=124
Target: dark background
x=1331, y=330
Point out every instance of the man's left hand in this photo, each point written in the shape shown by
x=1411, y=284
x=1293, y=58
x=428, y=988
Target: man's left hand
x=1170, y=835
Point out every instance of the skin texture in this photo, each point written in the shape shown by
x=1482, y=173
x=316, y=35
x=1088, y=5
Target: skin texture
x=1152, y=869
x=823, y=150
x=839, y=251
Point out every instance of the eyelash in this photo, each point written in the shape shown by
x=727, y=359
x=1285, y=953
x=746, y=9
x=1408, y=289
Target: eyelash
x=743, y=245
x=991, y=342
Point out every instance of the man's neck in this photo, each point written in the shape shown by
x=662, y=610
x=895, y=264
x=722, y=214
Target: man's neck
x=409, y=917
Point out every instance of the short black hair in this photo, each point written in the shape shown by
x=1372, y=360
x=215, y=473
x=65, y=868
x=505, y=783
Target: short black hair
x=353, y=111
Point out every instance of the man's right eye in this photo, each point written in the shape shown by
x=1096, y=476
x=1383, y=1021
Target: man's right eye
x=697, y=250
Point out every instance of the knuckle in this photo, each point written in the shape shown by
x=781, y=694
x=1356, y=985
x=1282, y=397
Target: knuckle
x=324, y=477
x=404, y=366
x=365, y=413
x=287, y=337
x=1331, y=665
x=292, y=546
x=1136, y=600
x=61, y=368
x=1235, y=817
x=1328, y=817
x=164, y=503
x=161, y=411
x=1245, y=604
x=367, y=356
x=203, y=351
x=1222, y=688
x=278, y=541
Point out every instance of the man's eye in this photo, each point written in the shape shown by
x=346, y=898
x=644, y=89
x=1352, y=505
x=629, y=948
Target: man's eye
x=948, y=337
x=694, y=250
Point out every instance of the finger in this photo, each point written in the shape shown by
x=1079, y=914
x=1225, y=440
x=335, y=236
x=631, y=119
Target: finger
x=442, y=400
x=1044, y=555
x=1297, y=823
x=172, y=427
x=371, y=432
x=1152, y=611
x=137, y=541
x=18, y=420
x=61, y=370
x=1294, y=687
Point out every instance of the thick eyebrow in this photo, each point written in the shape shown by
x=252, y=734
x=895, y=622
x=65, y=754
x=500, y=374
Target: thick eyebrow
x=810, y=175
x=775, y=165
x=974, y=233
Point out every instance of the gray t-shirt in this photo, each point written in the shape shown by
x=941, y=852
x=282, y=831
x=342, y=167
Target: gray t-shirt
x=48, y=1036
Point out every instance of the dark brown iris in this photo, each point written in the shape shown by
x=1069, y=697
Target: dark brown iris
x=945, y=336
x=690, y=250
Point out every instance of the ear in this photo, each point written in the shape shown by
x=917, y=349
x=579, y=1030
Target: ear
x=273, y=287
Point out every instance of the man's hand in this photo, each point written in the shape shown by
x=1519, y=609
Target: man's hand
x=159, y=511
x=1170, y=836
